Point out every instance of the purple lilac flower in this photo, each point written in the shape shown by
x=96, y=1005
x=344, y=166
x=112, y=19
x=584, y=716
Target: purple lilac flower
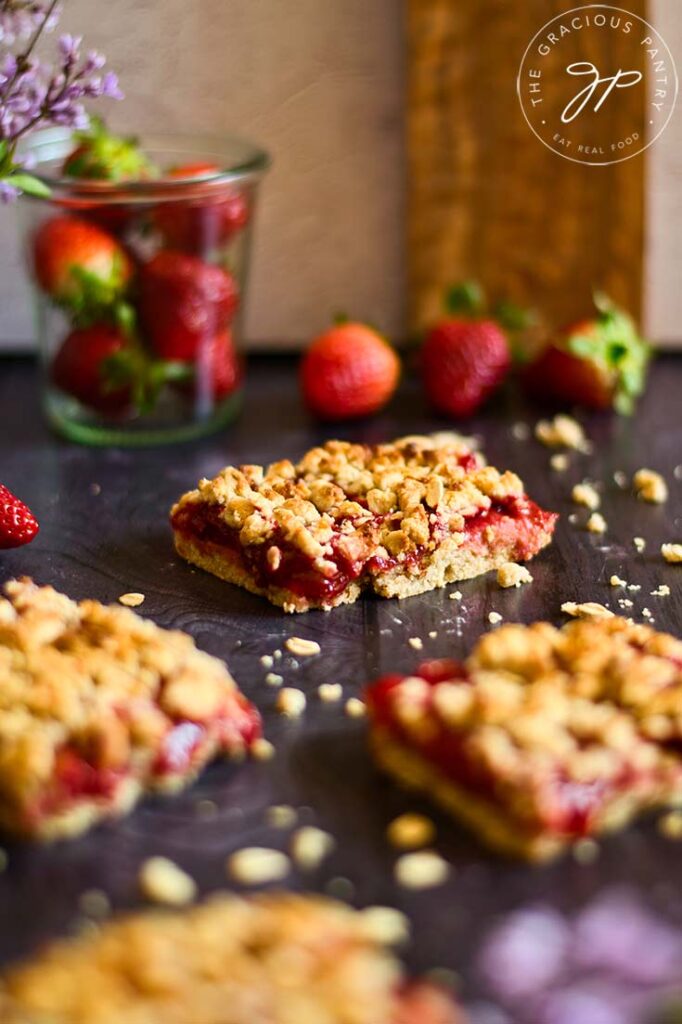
x=34, y=93
x=567, y=1006
x=8, y=193
x=20, y=19
x=619, y=935
x=526, y=952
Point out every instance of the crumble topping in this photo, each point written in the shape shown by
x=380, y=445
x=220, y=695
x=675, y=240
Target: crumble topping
x=670, y=825
x=310, y=846
x=423, y=869
x=494, y=618
x=330, y=693
x=561, y=432
x=276, y=958
x=546, y=728
x=511, y=574
x=132, y=600
x=355, y=708
x=650, y=486
x=672, y=553
x=616, y=581
x=411, y=831
x=385, y=925
x=343, y=485
x=609, y=682
x=596, y=523
x=103, y=686
x=639, y=544
x=586, y=610
x=262, y=749
x=586, y=494
x=257, y=865
x=281, y=816
x=162, y=881
x=291, y=702
x=559, y=462
x=302, y=648
x=400, y=518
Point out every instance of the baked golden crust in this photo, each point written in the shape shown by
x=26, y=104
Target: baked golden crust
x=377, y=512
x=98, y=704
x=275, y=959
x=543, y=735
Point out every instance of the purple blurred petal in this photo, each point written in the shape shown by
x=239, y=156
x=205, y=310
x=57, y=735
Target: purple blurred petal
x=8, y=193
x=110, y=86
x=487, y=1013
x=619, y=935
x=69, y=48
x=525, y=953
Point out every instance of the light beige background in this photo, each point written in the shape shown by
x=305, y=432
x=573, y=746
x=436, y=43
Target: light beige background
x=320, y=83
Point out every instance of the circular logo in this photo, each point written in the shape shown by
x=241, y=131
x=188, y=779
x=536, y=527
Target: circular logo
x=597, y=84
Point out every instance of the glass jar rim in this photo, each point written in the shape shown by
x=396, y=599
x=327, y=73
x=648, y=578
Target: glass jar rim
x=240, y=161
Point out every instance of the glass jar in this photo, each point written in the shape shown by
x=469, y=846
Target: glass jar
x=139, y=288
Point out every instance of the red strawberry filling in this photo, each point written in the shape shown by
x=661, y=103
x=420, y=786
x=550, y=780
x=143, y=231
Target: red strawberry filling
x=516, y=522
x=77, y=777
x=558, y=805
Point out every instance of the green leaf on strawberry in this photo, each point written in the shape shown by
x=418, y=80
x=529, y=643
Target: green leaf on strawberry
x=612, y=344
x=132, y=368
x=28, y=184
x=102, y=156
x=97, y=298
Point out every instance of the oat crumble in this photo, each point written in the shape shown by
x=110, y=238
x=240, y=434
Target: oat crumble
x=162, y=881
x=650, y=486
x=586, y=494
x=511, y=574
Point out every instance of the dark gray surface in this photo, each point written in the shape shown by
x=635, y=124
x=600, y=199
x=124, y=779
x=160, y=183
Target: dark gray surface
x=101, y=545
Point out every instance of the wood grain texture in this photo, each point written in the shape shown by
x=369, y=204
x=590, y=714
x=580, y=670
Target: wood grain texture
x=486, y=199
x=108, y=543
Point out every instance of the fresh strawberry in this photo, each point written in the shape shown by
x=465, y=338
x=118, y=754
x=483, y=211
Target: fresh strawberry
x=102, y=156
x=184, y=302
x=219, y=369
x=599, y=362
x=202, y=223
x=18, y=525
x=78, y=264
x=464, y=357
x=348, y=371
x=83, y=368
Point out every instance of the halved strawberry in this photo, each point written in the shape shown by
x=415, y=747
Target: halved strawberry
x=349, y=371
x=18, y=525
x=184, y=302
x=599, y=362
x=78, y=264
x=203, y=223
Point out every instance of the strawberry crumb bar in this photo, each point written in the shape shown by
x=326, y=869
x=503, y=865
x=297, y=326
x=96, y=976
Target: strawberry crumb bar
x=398, y=518
x=275, y=959
x=542, y=736
x=97, y=706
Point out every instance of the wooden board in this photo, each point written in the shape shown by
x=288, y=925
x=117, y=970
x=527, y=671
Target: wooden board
x=486, y=198
x=104, y=544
